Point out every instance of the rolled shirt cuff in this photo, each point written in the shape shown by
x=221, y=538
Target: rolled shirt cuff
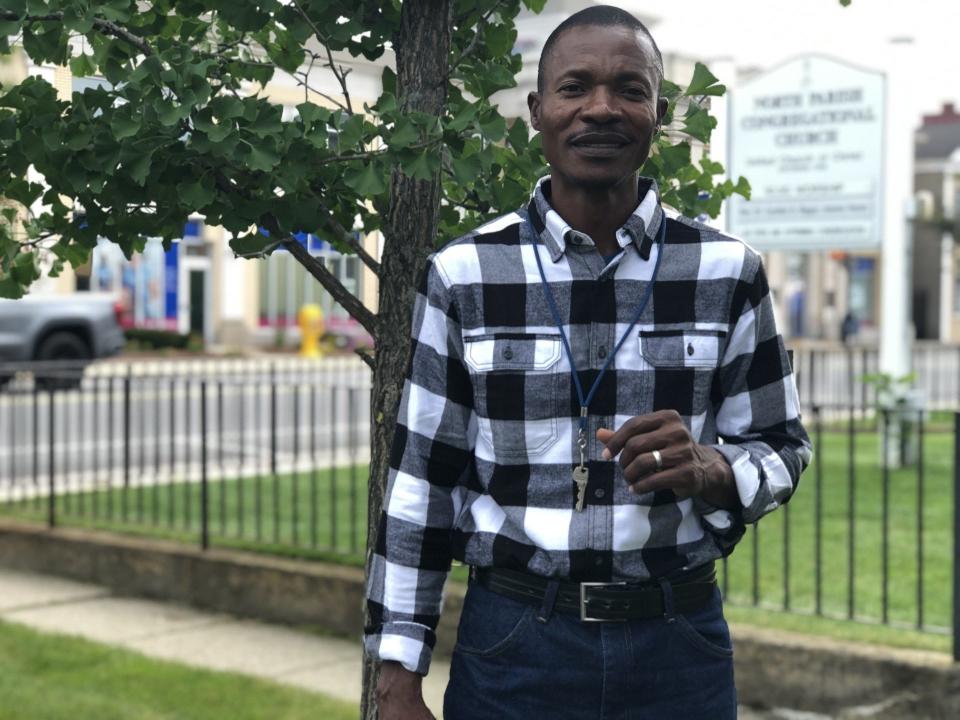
x=407, y=643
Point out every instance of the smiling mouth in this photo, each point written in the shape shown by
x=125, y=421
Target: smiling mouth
x=600, y=143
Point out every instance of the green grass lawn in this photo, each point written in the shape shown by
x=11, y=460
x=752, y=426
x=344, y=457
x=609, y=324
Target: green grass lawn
x=288, y=506
x=56, y=677
x=797, y=521
x=320, y=515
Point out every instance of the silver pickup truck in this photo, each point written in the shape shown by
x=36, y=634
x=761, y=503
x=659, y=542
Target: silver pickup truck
x=62, y=330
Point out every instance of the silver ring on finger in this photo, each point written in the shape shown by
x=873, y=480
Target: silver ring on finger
x=658, y=458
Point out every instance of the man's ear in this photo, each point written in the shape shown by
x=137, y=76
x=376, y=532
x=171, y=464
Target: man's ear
x=662, y=105
x=533, y=103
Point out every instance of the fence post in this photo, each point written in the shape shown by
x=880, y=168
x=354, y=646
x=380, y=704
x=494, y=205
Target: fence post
x=956, y=537
x=204, y=500
x=126, y=443
x=52, y=499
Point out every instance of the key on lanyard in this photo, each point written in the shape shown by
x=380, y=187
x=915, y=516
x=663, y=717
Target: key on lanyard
x=581, y=474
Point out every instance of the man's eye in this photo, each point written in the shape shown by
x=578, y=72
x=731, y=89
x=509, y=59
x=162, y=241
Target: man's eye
x=634, y=92
x=571, y=88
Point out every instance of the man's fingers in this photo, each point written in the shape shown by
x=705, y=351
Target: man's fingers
x=639, y=425
x=644, y=463
x=675, y=479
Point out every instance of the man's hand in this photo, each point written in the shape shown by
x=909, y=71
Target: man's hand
x=399, y=694
x=688, y=468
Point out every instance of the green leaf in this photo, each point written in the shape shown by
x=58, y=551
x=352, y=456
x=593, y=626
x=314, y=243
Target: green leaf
x=19, y=275
x=535, y=5
x=125, y=123
x=742, y=187
x=170, y=114
x=250, y=244
x=698, y=123
x=367, y=180
x=704, y=83
x=389, y=81
x=422, y=167
x=670, y=90
x=139, y=167
x=262, y=157
x=467, y=169
x=82, y=66
x=351, y=131
x=493, y=125
x=497, y=77
x=463, y=118
x=674, y=158
x=518, y=135
x=311, y=113
x=196, y=195
x=404, y=135
x=226, y=107
x=499, y=38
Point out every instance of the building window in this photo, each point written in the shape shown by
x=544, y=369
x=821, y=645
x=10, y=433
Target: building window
x=285, y=285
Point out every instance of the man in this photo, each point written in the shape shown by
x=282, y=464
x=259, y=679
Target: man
x=574, y=368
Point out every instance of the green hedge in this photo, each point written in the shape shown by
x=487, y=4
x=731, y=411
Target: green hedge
x=158, y=339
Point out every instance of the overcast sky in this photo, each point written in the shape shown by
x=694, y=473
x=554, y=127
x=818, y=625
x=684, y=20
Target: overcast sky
x=765, y=32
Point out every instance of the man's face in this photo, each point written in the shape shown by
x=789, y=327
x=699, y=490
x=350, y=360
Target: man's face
x=599, y=107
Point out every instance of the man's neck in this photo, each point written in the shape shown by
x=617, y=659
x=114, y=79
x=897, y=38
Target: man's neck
x=597, y=212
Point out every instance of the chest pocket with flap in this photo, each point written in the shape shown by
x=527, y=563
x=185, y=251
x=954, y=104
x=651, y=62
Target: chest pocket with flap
x=680, y=368
x=516, y=380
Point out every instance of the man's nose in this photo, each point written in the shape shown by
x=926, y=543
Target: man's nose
x=601, y=105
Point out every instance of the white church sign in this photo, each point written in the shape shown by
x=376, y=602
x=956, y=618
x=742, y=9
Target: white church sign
x=808, y=135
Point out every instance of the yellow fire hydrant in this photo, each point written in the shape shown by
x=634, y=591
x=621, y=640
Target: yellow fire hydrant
x=310, y=320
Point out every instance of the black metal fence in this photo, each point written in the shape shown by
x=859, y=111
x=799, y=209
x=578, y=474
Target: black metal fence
x=269, y=454
x=273, y=456
x=870, y=534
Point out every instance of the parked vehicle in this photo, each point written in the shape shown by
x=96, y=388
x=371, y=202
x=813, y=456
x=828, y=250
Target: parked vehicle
x=66, y=331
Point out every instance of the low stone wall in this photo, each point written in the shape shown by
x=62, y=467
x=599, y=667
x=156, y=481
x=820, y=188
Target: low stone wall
x=773, y=668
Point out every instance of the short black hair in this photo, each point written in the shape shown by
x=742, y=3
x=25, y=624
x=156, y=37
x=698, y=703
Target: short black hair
x=604, y=16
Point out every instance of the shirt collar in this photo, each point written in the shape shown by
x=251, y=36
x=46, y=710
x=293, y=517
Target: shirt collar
x=640, y=228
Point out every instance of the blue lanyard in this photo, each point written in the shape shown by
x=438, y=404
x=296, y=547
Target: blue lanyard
x=551, y=301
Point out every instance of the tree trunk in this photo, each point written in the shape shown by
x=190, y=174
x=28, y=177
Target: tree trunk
x=422, y=49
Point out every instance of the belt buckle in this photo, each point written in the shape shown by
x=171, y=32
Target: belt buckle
x=583, y=601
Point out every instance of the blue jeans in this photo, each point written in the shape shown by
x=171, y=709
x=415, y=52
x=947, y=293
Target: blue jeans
x=510, y=665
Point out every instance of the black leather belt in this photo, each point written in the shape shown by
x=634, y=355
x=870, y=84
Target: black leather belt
x=604, y=602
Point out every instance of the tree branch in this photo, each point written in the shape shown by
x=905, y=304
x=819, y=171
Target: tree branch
x=110, y=28
x=340, y=74
x=370, y=154
x=348, y=238
x=366, y=357
x=332, y=285
x=472, y=45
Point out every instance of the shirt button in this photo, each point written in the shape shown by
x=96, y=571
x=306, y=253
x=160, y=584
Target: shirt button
x=690, y=349
x=598, y=561
x=599, y=493
x=508, y=353
x=602, y=351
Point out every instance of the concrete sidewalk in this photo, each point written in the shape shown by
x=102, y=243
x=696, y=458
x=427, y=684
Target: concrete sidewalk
x=181, y=634
x=173, y=632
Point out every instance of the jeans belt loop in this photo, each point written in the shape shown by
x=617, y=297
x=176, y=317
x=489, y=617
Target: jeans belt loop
x=549, y=599
x=669, y=611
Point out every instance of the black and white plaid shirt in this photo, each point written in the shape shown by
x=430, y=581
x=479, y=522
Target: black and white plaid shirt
x=486, y=435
